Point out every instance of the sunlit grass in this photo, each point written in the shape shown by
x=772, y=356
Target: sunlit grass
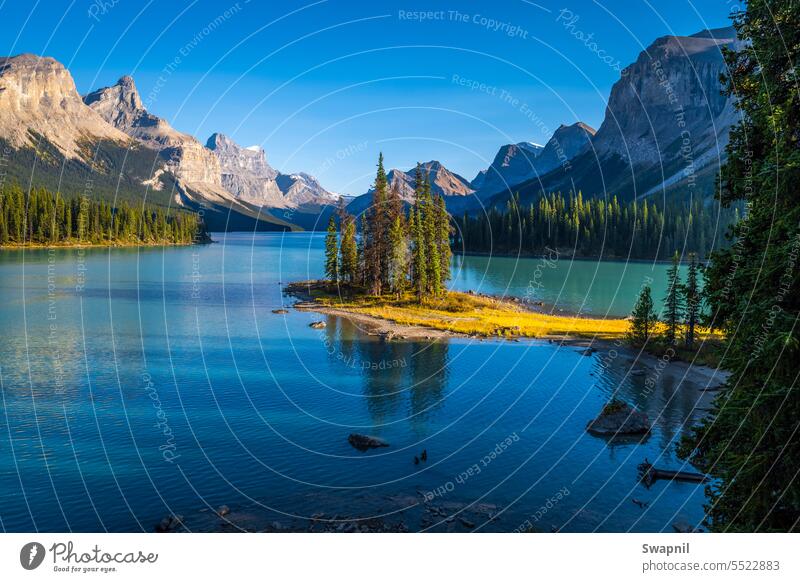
x=473, y=315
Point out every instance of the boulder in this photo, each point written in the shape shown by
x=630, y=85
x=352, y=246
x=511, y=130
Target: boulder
x=318, y=325
x=364, y=442
x=619, y=418
x=169, y=523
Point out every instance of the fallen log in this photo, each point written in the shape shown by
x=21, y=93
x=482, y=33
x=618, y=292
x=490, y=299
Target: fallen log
x=648, y=475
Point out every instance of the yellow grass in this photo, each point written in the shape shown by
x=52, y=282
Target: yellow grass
x=471, y=315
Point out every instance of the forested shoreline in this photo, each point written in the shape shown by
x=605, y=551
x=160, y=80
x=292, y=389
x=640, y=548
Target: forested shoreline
x=596, y=228
x=40, y=217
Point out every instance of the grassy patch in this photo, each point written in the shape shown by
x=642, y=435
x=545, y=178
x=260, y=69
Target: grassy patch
x=464, y=313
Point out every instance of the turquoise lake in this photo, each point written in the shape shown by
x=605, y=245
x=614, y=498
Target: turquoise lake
x=142, y=382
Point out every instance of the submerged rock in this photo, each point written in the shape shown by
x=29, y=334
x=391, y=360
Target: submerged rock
x=682, y=526
x=223, y=510
x=170, y=523
x=363, y=442
x=619, y=418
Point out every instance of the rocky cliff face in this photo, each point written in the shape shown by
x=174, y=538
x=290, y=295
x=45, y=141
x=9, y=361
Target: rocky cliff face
x=665, y=129
x=303, y=189
x=512, y=164
x=245, y=172
x=567, y=142
x=515, y=164
x=672, y=90
x=191, y=162
x=38, y=94
x=247, y=175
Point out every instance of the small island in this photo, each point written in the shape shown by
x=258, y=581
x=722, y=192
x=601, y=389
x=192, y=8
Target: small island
x=451, y=314
x=391, y=275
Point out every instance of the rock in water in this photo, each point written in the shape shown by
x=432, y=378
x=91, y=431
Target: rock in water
x=223, y=510
x=280, y=311
x=363, y=442
x=318, y=325
x=169, y=523
x=618, y=418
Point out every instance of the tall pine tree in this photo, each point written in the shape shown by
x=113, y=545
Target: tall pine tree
x=692, y=299
x=348, y=254
x=673, y=301
x=332, y=252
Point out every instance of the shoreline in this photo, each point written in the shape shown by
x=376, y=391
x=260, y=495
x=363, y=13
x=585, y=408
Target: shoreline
x=42, y=246
x=632, y=360
x=592, y=258
x=484, y=313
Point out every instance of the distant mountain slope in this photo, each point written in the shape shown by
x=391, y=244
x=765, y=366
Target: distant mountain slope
x=518, y=163
x=445, y=183
x=245, y=172
x=665, y=128
x=190, y=162
x=298, y=199
x=513, y=164
x=196, y=169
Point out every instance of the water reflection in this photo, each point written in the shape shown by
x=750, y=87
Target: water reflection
x=399, y=378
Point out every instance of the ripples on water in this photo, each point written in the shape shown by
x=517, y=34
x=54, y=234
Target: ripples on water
x=166, y=384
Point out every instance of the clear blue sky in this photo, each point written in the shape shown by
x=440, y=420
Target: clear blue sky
x=323, y=86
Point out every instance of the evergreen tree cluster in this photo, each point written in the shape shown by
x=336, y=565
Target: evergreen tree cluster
x=43, y=217
x=637, y=229
x=396, y=251
x=751, y=441
x=682, y=307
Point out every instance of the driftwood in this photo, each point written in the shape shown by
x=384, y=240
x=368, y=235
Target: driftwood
x=648, y=475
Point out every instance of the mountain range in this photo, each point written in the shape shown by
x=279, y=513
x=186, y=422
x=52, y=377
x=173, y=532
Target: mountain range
x=665, y=129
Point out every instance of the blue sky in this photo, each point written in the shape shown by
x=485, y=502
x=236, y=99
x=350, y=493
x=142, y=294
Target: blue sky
x=324, y=85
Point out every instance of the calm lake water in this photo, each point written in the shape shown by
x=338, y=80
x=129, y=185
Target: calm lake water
x=142, y=382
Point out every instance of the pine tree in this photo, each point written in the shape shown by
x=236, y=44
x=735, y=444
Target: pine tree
x=433, y=263
x=376, y=235
x=398, y=273
x=349, y=251
x=673, y=301
x=692, y=299
x=442, y=219
x=362, y=252
x=643, y=317
x=332, y=252
x=750, y=440
x=419, y=258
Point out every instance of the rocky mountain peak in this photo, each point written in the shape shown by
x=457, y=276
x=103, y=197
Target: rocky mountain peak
x=121, y=106
x=233, y=156
x=247, y=175
x=38, y=94
x=671, y=89
x=517, y=163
